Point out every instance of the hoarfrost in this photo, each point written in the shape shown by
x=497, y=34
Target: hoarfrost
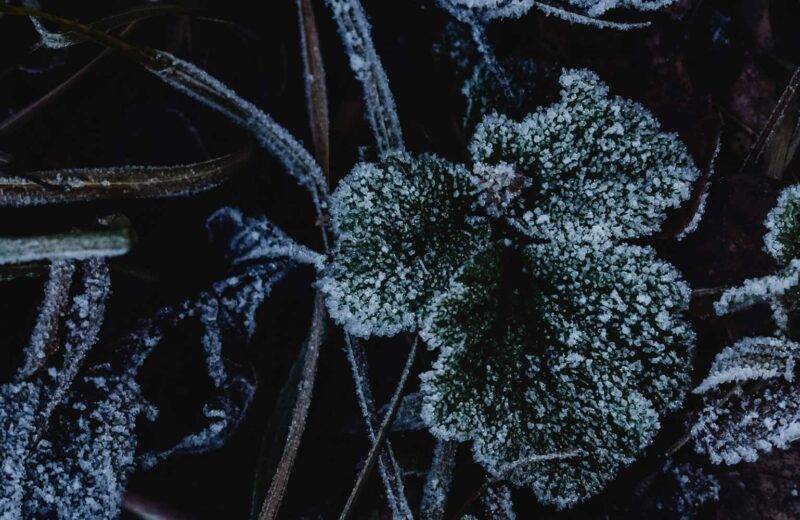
x=552, y=348
x=498, y=504
x=402, y=227
x=438, y=479
x=695, y=488
x=199, y=85
x=782, y=240
x=598, y=165
x=355, y=32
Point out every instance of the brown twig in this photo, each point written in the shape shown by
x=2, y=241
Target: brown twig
x=381, y=436
x=277, y=488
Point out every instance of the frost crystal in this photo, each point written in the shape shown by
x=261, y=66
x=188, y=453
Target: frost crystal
x=554, y=348
x=598, y=165
x=695, y=488
x=403, y=226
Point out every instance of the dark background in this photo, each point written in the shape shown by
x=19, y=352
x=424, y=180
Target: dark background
x=701, y=61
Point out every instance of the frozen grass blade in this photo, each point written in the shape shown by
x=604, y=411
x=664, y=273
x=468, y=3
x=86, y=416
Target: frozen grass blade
x=355, y=31
x=44, y=338
x=387, y=464
x=124, y=182
x=56, y=40
x=580, y=19
x=380, y=437
x=78, y=245
x=437, y=482
x=272, y=503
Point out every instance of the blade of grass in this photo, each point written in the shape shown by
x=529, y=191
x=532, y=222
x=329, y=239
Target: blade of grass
x=277, y=489
x=74, y=245
x=383, y=431
x=316, y=91
x=388, y=467
x=125, y=182
x=437, y=482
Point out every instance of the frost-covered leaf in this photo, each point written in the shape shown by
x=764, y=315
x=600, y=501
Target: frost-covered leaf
x=598, y=165
x=257, y=238
x=782, y=240
x=558, y=347
x=403, y=227
x=751, y=359
x=780, y=291
x=77, y=245
x=751, y=401
x=695, y=488
x=498, y=504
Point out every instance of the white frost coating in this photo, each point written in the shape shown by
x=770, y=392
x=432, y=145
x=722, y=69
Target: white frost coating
x=599, y=166
x=437, y=481
x=751, y=359
x=199, y=85
x=44, y=338
x=558, y=348
x=782, y=240
x=402, y=228
x=701, y=206
x=584, y=13
x=68, y=246
x=259, y=238
x=389, y=469
x=355, y=31
x=778, y=290
x=497, y=186
x=498, y=504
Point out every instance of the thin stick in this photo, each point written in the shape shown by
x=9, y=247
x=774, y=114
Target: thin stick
x=277, y=488
x=381, y=436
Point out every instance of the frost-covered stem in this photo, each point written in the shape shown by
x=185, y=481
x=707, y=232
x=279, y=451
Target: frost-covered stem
x=201, y=86
x=83, y=328
x=505, y=472
x=75, y=246
x=437, y=482
x=478, y=29
x=277, y=488
x=383, y=431
x=356, y=35
x=44, y=338
x=387, y=464
x=576, y=18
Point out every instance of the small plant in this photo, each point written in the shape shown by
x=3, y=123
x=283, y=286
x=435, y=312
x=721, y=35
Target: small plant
x=551, y=340
x=751, y=402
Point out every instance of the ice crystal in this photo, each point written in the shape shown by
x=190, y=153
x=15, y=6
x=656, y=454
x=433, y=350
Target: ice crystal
x=558, y=347
x=498, y=504
x=403, y=226
x=751, y=401
x=598, y=165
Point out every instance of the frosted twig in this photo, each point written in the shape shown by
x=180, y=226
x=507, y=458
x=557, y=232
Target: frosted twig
x=383, y=431
x=388, y=467
x=66, y=246
x=44, y=338
x=437, y=482
x=277, y=488
x=576, y=18
x=355, y=31
x=124, y=182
